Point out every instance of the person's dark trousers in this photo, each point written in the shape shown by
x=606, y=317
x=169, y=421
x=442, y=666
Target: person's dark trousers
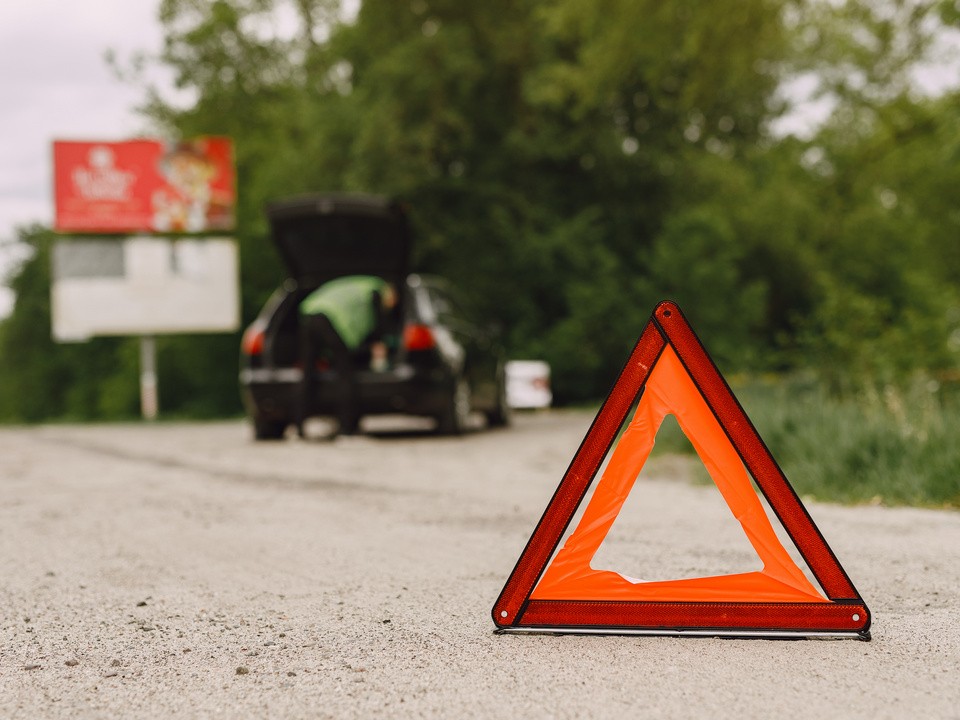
x=317, y=333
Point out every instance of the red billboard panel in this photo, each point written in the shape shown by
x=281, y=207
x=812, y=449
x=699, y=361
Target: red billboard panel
x=144, y=186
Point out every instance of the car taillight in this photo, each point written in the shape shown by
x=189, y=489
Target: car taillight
x=252, y=342
x=418, y=337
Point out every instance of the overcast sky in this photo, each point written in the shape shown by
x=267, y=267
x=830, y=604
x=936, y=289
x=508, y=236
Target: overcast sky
x=55, y=83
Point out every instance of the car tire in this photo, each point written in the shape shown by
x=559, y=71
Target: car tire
x=268, y=429
x=501, y=414
x=455, y=416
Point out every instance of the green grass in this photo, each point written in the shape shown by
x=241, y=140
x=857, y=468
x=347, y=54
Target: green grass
x=895, y=447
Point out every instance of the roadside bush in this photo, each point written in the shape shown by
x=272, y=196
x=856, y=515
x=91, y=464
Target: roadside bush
x=896, y=446
x=893, y=447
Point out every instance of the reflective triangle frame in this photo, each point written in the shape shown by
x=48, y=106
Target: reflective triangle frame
x=842, y=614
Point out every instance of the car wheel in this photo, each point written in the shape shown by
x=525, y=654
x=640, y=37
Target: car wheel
x=453, y=420
x=268, y=429
x=501, y=414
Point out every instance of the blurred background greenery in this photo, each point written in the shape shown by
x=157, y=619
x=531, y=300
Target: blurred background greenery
x=569, y=163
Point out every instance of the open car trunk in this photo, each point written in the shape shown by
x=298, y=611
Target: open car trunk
x=323, y=237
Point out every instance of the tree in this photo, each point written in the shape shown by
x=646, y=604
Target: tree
x=569, y=163
x=544, y=147
x=43, y=379
x=888, y=283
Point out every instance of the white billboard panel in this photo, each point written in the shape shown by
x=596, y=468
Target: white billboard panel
x=144, y=286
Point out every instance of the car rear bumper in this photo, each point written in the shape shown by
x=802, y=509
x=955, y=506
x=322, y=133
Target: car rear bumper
x=274, y=393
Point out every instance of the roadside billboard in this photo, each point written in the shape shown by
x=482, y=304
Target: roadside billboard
x=143, y=286
x=144, y=185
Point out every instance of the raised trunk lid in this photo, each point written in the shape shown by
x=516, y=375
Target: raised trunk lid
x=322, y=237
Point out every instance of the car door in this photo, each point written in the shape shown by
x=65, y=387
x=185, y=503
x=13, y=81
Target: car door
x=480, y=360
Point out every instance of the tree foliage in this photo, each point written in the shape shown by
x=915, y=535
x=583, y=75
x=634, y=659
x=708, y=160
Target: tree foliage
x=569, y=163
x=42, y=379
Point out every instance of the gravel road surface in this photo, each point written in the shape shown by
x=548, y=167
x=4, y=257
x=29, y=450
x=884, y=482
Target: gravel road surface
x=184, y=571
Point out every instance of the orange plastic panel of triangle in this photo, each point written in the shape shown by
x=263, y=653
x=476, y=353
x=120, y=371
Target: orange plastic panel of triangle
x=671, y=373
x=670, y=389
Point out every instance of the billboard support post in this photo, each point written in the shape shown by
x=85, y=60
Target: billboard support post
x=149, y=405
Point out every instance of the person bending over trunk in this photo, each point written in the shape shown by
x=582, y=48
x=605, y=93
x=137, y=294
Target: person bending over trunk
x=342, y=316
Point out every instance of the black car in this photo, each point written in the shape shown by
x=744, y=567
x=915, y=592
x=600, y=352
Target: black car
x=439, y=365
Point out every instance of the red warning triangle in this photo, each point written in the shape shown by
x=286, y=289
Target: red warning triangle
x=669, y=372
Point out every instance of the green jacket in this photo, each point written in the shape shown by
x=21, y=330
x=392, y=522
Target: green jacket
x=348, y=302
